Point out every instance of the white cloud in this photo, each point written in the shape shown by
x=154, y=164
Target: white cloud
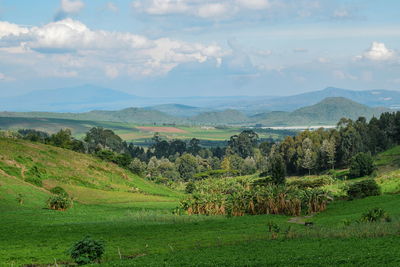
x=112, y=7
x=9, y=29
x=72, y=6
x=254, y=4
x=378, y=52
x=71, y=45
x=215, y=10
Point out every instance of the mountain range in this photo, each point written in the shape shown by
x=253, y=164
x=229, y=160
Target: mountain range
x=327, y=112
x=89, y=97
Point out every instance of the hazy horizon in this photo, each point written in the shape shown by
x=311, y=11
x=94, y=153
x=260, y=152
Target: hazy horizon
x=171, y=48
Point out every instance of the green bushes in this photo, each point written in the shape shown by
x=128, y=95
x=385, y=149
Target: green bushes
x=305, y=182
x=361, y=165
x=58, y=190
x=35, y=181
x=237, y=197
x=59, y=202
x=87, y=251
x=375, y=215
x=363, y=189
x=213, y=174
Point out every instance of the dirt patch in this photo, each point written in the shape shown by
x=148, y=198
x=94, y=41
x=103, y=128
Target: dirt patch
x=162, y=129
x=300, y=219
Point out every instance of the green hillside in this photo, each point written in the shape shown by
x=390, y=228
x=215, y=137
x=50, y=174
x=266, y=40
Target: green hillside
x=328, y=111
x=229, y=116
x=31, y=169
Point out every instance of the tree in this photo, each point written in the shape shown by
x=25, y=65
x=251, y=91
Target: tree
x=187, y=166
x=62, y=139
x=328, y=150
x=277, y=168
x=309, y=158
x=194, y=146
x=362, y=164
x=137, y=166
x=244, y=143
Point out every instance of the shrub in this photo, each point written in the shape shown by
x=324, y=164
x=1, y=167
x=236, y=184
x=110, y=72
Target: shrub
x=190, y=187
x=304, y=183
x=361, y=165
x=58, y=190
x=363, y=189
x=375, y=215
x=59, y=202
x=87, y=251
x=35, y=181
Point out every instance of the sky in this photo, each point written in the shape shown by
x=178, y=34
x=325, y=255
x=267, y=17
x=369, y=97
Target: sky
x=199, y=47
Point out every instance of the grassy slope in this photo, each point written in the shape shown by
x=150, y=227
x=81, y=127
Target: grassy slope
x=86, y=178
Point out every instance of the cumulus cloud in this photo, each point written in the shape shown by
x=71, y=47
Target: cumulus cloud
x=72, y=44
x=214, y=9
x=69, y=7
x=378, y=52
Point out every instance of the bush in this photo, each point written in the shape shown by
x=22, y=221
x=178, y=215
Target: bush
x=304, y=183
x=363, y=189
x=190, y=187
x=375, y=215
x=361, y=165
x=58, y=190
x=87, y=251
x=59, y=202
x=35, y=181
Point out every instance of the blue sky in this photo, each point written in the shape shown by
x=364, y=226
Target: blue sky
x=199, y=47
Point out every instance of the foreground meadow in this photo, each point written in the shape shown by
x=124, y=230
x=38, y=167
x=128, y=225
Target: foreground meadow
x=148, y=234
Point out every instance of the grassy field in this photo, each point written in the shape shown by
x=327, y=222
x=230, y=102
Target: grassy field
x=134, y=217
x=140, y=134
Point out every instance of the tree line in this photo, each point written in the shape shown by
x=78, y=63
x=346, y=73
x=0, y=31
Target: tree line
x=308, y=152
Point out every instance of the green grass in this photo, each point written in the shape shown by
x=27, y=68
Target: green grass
x=141, y=227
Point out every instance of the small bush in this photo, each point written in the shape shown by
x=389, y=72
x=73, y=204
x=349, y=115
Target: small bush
x=361, y=165
x=35, y=181
x=59, y=202
x=305, y=183
x=58, y=190
x=190, y=187
x=375, y=215
x=363, y=189
x=87, y=251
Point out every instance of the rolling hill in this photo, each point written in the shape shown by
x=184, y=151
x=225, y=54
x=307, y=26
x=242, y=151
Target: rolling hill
x=327, y=112
x=178, y=110
x=31, y=169
x=229, y=116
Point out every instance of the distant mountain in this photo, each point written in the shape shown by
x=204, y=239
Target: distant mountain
x=89, y=97
x=228, y=116
x=327, y=112
x=178, y=110
x=372, y=98
x=76, y=99
x=128, y=115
